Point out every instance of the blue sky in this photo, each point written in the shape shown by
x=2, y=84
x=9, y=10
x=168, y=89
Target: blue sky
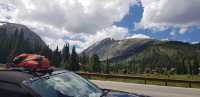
x=85, y=22
x=134, y=15
x=192, y=35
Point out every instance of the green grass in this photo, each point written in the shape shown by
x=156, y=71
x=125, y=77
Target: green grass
x=177, y=77
x=2, y=65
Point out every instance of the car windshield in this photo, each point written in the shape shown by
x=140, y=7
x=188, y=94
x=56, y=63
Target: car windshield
x=65, y=85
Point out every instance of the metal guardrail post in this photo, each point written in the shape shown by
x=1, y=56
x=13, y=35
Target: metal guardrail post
x=190, y=85
x=166, y=83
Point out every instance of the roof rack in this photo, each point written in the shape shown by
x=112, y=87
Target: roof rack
x=38, y=72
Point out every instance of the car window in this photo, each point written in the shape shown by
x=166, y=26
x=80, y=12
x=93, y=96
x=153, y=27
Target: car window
x=11, y=90
x=65, y=85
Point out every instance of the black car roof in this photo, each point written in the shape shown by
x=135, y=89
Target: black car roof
x=15, y=77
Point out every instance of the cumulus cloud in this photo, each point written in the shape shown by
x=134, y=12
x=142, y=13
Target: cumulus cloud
x=86, y=16
x=6, y=12
x=179, y=13
x=55, y=20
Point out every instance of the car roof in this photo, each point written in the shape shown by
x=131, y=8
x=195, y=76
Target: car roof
x=17, y=77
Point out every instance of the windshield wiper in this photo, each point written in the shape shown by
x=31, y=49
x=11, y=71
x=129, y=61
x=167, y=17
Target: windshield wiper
x=105, y=92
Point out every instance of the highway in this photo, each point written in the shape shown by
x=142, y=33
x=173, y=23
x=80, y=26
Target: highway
x=150, y=90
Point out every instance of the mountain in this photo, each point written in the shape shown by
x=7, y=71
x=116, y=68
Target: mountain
x=16, y=39
x=12, y=28
x=142, y=50
x=117, y=49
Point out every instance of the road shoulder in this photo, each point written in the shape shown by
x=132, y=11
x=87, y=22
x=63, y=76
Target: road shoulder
x=150, y=90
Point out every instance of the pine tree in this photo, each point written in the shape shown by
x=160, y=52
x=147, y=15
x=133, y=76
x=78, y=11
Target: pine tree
x=74, y=64
x=66, y=53
x=96, y=64
x=46, y=52
x=107, y=66
x=195, y=67
x=3, y=43
x=56, y=59
x=84, y=60
x=15, y=48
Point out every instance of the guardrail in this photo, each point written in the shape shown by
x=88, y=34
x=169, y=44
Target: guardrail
x=145, y=79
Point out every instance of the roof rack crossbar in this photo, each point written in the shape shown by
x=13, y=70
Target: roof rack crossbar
x=33, y=72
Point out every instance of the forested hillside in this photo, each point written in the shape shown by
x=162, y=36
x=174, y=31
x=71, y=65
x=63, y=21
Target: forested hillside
x=148, y=55
x=178, y=57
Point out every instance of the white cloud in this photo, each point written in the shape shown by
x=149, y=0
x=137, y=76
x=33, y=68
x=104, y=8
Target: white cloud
x=172, y=33
x=86, y=16
x=195, y=42
x=53, y=43
x=178, y=13
x=139, y=36
x=165, y=39
x=115, y=32
x=7, y=11
x=183, y=30
x=55, y=19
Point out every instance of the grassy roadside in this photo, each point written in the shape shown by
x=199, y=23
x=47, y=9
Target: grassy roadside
x=176, y=77
x=2, y=65
x=179, y=77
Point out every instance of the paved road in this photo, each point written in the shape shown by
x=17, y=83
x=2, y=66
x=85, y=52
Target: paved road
x=150, y=90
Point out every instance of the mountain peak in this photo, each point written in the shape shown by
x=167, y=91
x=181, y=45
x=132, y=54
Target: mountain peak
x=107, y=40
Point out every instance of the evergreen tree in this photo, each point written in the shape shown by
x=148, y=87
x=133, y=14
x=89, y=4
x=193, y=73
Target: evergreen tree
x=195, y=67
x=13, y=45
x=47, y=52
x=3, y=43
x=66, y=53
x=96, y=64
x=107, y=71
x=74, y=64
x=56, y=58
x=84, y=60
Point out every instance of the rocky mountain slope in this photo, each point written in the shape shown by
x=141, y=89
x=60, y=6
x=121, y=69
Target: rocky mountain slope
x=117, y=49
x=30, y=36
